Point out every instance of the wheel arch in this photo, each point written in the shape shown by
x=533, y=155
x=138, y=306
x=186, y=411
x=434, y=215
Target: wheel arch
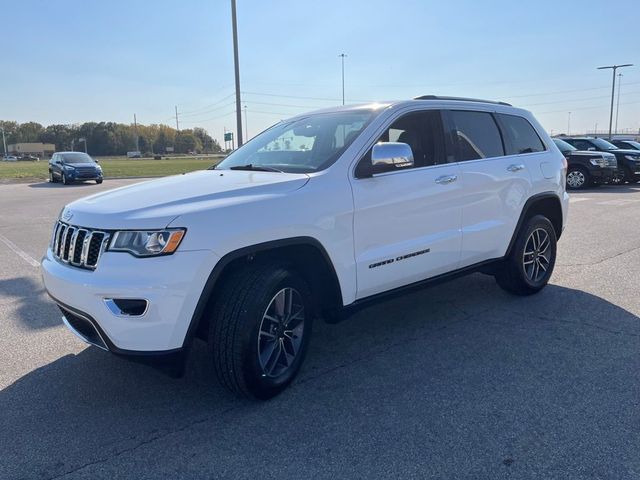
x=306, y=254
x=547, y=204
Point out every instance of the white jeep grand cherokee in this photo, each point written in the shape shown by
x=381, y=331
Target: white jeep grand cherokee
x=312, y=218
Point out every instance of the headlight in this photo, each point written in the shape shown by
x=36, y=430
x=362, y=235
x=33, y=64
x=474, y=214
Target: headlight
x=99, y=168
x=633, y=158
x=601, y=162
x=147, y=243
x=69, y=167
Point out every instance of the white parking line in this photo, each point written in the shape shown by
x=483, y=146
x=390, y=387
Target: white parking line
x=618, y=203
x=25, y=256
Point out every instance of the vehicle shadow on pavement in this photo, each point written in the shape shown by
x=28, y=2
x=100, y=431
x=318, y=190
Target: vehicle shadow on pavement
x=605, y=189
x=446, y=382
x=48, y=184
x=34, y=308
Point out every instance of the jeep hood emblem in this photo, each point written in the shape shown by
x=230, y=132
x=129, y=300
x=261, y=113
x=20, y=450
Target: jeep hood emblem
x=67, y=215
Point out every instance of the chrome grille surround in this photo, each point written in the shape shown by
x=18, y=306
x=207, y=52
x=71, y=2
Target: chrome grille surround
x=78, y=246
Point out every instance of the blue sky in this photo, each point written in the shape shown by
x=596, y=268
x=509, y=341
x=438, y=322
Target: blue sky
x=70, y=61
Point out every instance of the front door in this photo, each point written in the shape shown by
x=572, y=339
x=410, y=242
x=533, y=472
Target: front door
x=407, y=220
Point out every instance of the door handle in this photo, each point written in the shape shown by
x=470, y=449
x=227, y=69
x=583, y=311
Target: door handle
x=516, y=167
x=446, y=179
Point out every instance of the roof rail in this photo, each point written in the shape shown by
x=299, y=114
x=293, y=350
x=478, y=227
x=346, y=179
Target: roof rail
x=460, y=99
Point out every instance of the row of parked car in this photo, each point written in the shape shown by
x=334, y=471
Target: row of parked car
x=594, y=161
x=15, y=158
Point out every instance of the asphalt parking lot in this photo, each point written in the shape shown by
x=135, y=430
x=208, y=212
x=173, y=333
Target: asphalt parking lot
x=457, y=381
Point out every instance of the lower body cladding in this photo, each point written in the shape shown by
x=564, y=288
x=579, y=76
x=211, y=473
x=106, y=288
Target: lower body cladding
x=136, y=307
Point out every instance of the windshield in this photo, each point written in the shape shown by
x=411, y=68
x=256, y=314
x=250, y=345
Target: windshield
x=603, y=144
x=632, y=144
x=564, y=146
x=77, y=157
x=305, y=145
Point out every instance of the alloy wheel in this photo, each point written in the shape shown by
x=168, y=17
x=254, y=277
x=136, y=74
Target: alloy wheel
x=576, y=179
x=280, y=333
x=537, y=255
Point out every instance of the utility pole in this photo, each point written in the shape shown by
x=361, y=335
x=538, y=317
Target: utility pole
x=177, y=124
x=569, y=124
x=613, y=89
x=135, y=129
x=237, y=72
x=618, y=101
x=342, y=55
x=4, y=141
x=246, y=128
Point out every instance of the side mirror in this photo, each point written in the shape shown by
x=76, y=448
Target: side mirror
x=95, y=160
x=392, y=154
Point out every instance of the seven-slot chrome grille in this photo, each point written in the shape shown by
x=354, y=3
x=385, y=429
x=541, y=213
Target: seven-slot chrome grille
x=77, y=246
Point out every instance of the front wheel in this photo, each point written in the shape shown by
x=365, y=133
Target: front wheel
x=260, y=328
x=99, y=181
x=528, y=267
x=64, y=179
x=51, y=178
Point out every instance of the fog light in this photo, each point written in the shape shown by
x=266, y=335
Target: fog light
x=127, y=307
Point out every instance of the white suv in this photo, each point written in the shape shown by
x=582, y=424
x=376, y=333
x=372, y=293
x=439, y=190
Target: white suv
x=314, y=217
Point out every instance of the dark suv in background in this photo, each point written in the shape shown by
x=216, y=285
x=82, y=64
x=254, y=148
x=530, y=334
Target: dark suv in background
x=628, y=160
x=587, y=168
x=626, y=144
x=70, y=167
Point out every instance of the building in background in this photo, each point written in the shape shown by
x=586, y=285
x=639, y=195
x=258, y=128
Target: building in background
x=40, y=150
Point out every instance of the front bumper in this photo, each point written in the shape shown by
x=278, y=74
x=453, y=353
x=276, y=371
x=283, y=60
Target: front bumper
x=603, y=175
x=171, y=285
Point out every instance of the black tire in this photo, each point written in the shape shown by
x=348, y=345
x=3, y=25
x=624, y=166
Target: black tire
x=575, y=175
x=516, y=277
x=64, y=179
x=99, y=181
x=236, y=321
x=52, y=179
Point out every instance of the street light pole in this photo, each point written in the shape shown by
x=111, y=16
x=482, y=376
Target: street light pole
x=246, y=128
x=342, y=55
x=613, y=89
x=618, y=101
x=237, y=72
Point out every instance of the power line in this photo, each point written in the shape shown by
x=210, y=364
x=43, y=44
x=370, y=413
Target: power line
x=205, y=112
x=204, y=107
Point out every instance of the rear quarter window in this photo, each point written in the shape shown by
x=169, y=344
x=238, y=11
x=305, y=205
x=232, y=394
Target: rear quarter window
x=520, y=136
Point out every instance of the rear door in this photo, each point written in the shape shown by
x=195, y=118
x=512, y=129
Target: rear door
x=495, y=180
x=407, y=221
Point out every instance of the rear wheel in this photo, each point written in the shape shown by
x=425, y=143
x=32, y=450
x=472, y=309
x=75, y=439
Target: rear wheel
x=528, y=267
x=260, y=328
x=578, y=178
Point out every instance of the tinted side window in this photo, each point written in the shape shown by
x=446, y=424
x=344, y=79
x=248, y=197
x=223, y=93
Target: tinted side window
x=520, y=136
x=475, y=135
x=422, y=131
x=582, y=144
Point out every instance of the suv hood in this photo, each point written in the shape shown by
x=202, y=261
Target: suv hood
x=621, y=151
x=154, y=204
x=81, y=165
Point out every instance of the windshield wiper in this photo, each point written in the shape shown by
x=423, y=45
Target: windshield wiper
x=257, y=168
